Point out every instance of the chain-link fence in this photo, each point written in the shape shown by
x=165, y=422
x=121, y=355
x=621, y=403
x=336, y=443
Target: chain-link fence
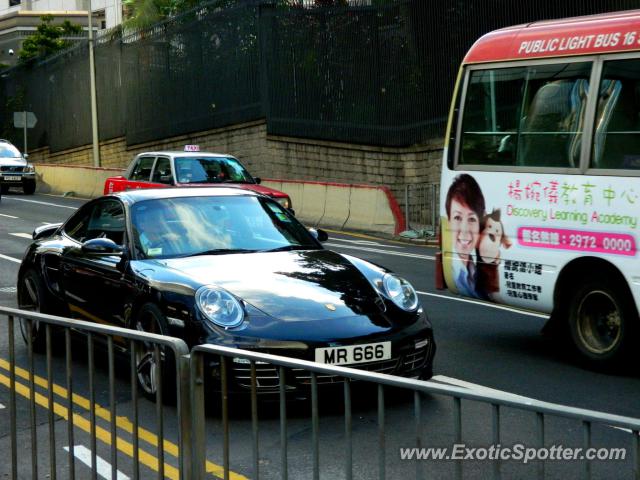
x=421, y=206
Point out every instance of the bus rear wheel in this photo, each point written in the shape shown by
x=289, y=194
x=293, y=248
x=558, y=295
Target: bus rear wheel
x=602, y=322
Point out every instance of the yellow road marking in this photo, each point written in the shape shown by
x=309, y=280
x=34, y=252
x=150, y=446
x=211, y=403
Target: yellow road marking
x=122, y=422
x=101, y=434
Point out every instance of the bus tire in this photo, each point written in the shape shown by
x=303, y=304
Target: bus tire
x=602, y=321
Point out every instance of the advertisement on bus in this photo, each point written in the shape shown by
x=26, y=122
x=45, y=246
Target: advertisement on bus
x=502, y=234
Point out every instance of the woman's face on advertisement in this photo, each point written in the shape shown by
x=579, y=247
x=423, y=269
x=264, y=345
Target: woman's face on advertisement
x=465, y=226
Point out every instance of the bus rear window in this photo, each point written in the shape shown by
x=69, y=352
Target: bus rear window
x=525, y=116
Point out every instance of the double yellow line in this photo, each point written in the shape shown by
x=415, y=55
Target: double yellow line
x=102, y=434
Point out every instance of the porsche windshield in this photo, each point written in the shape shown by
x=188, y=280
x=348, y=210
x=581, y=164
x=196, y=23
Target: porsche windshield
x=186, y=226
x=210, y=170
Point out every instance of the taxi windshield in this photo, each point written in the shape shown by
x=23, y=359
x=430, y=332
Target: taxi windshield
x=210, y=170
x=211, y=225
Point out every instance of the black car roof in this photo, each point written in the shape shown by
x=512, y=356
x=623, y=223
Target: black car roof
x=137, y=195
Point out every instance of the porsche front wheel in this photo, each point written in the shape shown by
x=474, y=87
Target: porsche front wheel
x=31, y=297
x=154, y=367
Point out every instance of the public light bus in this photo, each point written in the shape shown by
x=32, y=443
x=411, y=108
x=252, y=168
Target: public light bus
x=540, y=188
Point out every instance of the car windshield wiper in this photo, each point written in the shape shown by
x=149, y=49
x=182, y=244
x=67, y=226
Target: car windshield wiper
x=221, y=251
x=288, y=248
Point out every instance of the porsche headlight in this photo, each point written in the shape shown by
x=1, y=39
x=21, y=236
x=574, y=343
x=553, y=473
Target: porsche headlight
x=29, y=168
x=284, y=201
x=219, y=306
x=400, y=292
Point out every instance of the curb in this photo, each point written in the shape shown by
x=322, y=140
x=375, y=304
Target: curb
x=418, y=242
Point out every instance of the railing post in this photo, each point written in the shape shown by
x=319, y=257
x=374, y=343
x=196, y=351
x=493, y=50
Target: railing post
x=186, y=420
x=12, y=400
x=198, y=448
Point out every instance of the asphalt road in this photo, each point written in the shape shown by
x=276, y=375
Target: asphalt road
x=480, y=347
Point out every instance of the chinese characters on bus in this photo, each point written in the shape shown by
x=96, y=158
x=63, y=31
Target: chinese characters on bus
x=518, y=289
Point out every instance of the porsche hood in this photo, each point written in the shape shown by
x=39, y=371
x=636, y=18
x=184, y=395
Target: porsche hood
x=295, y=285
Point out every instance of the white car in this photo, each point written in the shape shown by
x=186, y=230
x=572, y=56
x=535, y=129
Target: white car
x=14, y=169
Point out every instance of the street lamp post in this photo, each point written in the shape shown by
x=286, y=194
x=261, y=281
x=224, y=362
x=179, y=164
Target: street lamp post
x=94, y=101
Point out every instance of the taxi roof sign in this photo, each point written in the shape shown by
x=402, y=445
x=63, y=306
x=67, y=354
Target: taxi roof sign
x=192, y=148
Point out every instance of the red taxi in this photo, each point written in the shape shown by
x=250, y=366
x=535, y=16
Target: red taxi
x=188, y=168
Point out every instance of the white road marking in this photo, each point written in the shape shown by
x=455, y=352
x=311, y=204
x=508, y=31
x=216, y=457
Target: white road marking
x=11, y=259
x=492, y=391
x=41, y=203
x=8, y=216
x=103, y=468
x=2, y=406
x=475, y=387
x=22, y=235
x=628, y=430
x=386, y=252
x=486, y=304
x=366, y=242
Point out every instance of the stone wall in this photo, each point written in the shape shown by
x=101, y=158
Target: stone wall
x=286, y=158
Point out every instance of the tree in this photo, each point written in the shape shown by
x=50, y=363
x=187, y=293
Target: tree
x=143, y=13
x=48, y=39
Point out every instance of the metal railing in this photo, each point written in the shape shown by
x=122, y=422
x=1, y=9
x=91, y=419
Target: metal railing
x=421, y=209
x=497, y=401
x=194, y=378
x=113, y=338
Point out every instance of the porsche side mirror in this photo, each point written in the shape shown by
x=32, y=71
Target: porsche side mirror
x=258, y=180
x=102, y=246
x=319, y=234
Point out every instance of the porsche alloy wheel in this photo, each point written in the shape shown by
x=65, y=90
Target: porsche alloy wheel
x=153, y=369
x=31, y=298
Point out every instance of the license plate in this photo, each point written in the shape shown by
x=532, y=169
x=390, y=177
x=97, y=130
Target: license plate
x=12, y=178
x=351, y=354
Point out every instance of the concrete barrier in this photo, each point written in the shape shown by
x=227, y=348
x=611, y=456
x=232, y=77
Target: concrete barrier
x=332, y=205
x=84, y=182
x=343, y=206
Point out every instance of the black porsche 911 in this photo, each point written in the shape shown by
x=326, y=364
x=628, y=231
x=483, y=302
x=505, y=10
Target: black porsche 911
x=224, y=266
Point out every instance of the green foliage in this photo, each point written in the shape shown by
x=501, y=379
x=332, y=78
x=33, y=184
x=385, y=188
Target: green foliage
x=13, y=103
x=48, y=39
x=143, y=13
